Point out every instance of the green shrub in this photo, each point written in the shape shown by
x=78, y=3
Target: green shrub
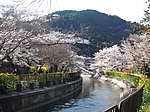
x=125, y=76
x=9, y=80
x=138, y=80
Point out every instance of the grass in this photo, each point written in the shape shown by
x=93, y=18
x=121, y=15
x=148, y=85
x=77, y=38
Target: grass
x=138, y=80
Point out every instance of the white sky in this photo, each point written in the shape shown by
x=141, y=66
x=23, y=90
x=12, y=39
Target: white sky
x=130, y=10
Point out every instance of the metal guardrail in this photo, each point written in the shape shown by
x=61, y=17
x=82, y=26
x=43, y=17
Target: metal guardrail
x=113, y=109
x=38, y=82
x=130, y=104
x=133, y=102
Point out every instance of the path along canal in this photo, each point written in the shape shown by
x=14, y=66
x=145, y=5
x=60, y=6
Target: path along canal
x=94, y=97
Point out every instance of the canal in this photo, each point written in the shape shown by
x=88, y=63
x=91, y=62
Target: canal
x=94, y=97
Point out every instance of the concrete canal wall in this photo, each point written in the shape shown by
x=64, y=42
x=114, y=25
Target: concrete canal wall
x=22, y=102
x=126, y=87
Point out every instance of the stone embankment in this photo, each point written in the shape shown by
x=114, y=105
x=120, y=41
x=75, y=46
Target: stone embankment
x=28, y=101
x=126, y=87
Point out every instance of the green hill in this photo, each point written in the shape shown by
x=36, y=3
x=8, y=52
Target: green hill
x=101, y=29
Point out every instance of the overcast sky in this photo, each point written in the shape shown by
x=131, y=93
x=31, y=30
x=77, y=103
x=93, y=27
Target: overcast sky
x=130, y=10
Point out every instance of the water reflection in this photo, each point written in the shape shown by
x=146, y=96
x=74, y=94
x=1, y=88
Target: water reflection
x=95, y=97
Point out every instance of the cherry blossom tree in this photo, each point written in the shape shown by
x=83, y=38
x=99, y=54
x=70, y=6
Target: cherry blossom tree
x=137, y=50
x=15, y=38
x=146, y=19
x=109, y=59
x=12, y=39
x=21, y=38
x=54, y=37
x=34, y=5
x=55, y=54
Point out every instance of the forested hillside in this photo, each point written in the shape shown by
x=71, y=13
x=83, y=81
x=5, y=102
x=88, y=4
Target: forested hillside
x=100, y=29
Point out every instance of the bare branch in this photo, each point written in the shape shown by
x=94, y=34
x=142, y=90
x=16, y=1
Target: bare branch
x=56, y=54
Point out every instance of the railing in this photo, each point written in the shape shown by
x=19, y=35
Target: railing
x=113, y=109
x=133, y=102
x=39, y=81
x=130, y=104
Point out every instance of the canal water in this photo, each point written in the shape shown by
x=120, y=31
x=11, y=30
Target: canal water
x=94, y=97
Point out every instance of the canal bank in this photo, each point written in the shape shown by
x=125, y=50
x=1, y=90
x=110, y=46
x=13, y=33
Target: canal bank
x=95, y=97
x=126, y=87
x=22, y=102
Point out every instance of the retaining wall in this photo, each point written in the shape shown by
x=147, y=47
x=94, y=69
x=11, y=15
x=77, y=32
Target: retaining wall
x=126, y=87
x=22, y=102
